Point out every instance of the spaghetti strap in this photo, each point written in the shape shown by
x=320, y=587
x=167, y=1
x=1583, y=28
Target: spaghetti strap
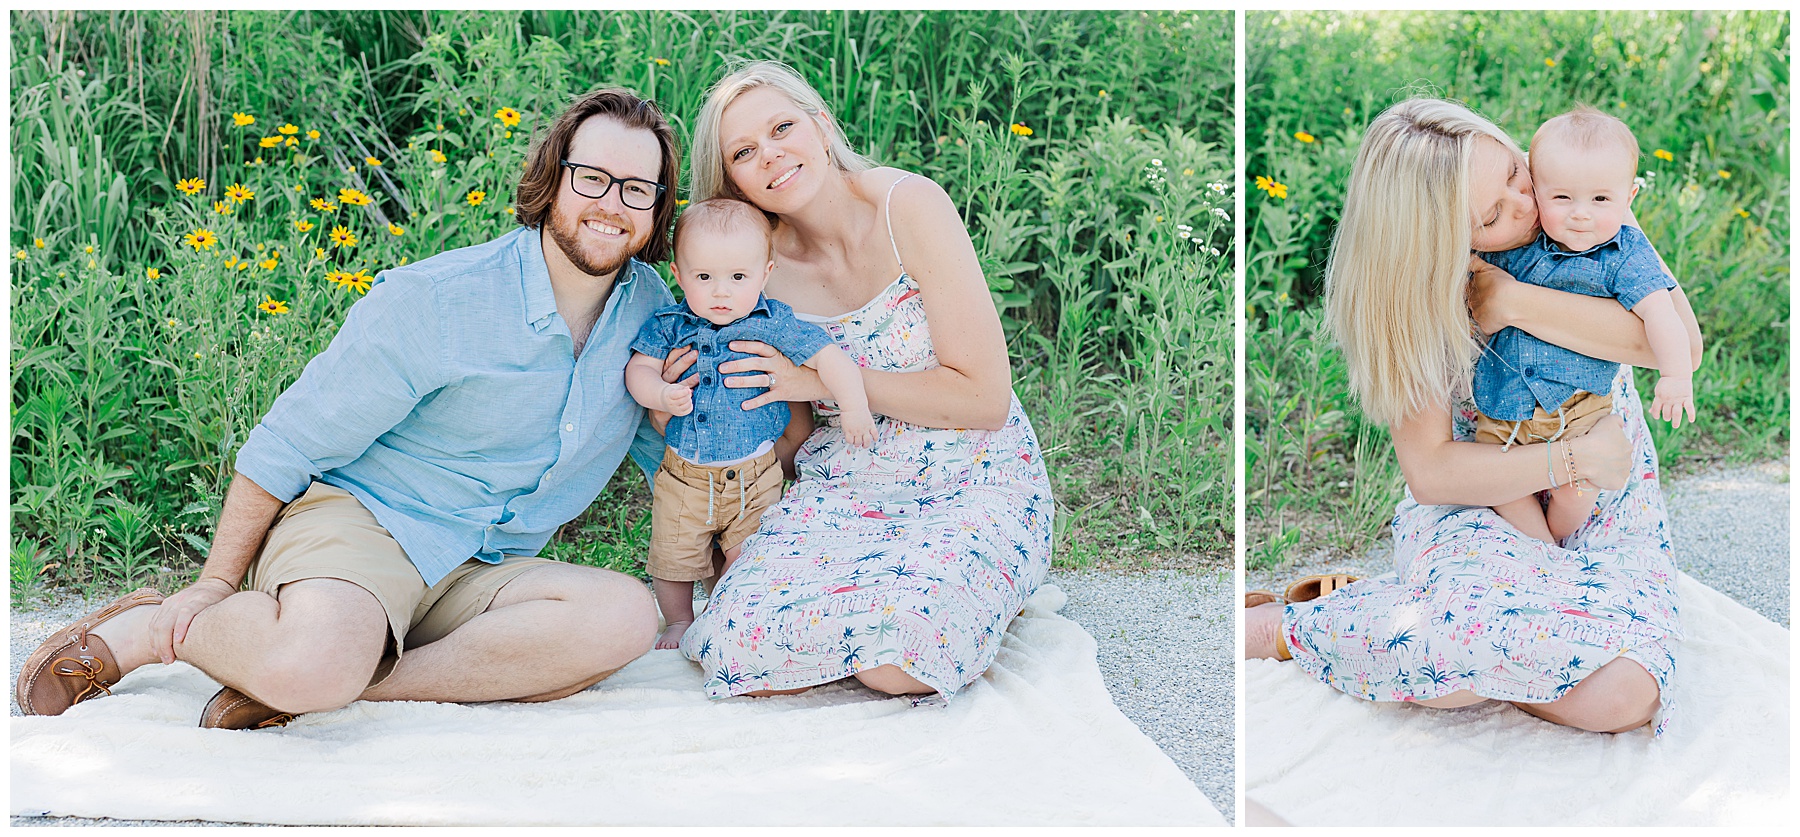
x=887, y=209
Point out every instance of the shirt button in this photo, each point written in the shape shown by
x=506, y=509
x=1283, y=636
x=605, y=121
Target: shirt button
x=701, y=417
x=706, y=379
x=1529, y=371
x=569, y=427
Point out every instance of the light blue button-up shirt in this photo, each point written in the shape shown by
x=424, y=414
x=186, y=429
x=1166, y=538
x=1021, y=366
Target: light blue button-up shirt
x=451, y=404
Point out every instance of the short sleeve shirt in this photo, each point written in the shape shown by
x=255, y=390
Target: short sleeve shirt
x=719, y=429
x=1518, y=372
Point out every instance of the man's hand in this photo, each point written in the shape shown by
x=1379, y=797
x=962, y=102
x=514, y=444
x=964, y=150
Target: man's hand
x=1674, y=396
x=169, y=626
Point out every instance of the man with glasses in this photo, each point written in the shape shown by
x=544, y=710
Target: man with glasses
x=379, y=539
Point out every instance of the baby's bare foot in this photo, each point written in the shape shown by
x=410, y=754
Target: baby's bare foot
x=671, y=636
x=1262, y=627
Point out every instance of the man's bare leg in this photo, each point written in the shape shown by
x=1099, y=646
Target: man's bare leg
x=312, y=647
x=550, y=632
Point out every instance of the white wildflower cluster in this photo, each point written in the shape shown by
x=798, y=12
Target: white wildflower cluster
x=1217, y=187
x=1154, y=173
x=1223, y=215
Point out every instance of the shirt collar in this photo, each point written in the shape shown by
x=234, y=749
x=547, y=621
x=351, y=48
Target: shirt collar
x=681, y=309
x=1555, y=249
x=540, y=297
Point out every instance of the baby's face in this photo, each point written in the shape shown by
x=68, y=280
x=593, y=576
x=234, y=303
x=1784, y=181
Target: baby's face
x=1583, y=194
x=722, y=273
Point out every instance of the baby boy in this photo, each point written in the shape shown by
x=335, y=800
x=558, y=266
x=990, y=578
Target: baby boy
x=1583, y=164
x=719, y=471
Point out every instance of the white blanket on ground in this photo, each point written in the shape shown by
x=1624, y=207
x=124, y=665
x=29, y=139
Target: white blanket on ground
x=1316, y=756
x=1036, y=741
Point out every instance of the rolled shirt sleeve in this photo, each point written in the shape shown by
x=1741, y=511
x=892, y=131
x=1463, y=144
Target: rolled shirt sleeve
x=387, y=356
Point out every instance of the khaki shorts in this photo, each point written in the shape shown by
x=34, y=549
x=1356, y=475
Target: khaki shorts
x=694, y=503
x=327, y=533
x=1580, y=413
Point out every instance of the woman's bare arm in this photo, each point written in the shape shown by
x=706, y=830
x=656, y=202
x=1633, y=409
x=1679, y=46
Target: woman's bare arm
x=972, y=387
x=1442, y=471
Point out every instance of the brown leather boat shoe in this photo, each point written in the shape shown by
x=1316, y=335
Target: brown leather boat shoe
x=232, y=709
x=1307, y=588
x=73, y=665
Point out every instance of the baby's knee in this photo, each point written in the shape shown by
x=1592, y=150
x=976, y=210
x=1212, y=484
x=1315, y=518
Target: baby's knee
x=1620, y=697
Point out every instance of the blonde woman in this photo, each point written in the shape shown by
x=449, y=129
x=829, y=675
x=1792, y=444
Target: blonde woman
x=1583, y=636
x=899, y=564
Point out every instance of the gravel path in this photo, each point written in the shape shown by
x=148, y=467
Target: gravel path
x=1730, y=530
x=1166, y=651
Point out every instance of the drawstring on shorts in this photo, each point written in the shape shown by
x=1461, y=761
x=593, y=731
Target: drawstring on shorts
x=1562, y=424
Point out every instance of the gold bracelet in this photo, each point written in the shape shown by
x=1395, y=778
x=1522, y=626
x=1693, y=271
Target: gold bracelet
x=1574, y=478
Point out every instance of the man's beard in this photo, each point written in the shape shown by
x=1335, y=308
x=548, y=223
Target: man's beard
x=566, y=232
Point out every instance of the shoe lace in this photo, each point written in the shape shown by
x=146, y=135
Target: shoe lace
x=89, y=668
x=278, y=721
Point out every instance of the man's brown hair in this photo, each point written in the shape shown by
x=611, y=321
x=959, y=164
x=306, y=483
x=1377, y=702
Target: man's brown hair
x=544, y=176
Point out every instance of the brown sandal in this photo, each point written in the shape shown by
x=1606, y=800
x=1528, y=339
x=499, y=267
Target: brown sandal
x=1311, y=587
x=1259, y=597
x=73, y=665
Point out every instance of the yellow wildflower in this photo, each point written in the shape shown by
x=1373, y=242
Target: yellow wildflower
x=1105, y=95
x=510, y=210
x=396, y=229
x=1020, y=129
x=323, y=205
x=662, y=62
x=271, y=305
x=231, y=262
x=358, y=281
x=238, y=194
x=507, y=117
x=354, y=197
x=1741, y=213
x=343, y=237
x=152, y=273
x=222, y=207
x=269, y=263
x=1303, y=136
x=289, y=129
x=318, y=252
x=243, y=119
x=292, y=142
x=312, y=135
x=1549, y=62
x=38, y=243
x=269, y=142
x=88, y=249
x=1267, y=184
x=201, y=239
x=1663, y=156
x=476, y=197
x=21, y=255
x=190, y=185
x=303, y=225
x=438, y=156
x=1724, y=174
x=372, y=161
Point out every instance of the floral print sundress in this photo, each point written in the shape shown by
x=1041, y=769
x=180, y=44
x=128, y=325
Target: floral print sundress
x=915, y=552
x=1475, y=604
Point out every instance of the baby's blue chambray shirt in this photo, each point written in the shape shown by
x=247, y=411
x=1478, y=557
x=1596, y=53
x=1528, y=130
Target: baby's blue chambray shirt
x=451, y=404
x=719, y=429
x=1518, y=372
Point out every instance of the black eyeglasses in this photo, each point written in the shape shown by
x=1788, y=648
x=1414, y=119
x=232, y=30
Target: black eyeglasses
x=636, y=193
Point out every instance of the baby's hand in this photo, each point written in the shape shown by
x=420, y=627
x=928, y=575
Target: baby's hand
x=1674, y=396
x=859, y=427
x=679, y=398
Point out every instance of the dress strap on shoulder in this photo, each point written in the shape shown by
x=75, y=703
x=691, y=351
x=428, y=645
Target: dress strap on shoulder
x=887, y=209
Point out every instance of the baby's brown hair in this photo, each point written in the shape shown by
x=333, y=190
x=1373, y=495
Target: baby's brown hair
x=724, y=215
x=1588, y=128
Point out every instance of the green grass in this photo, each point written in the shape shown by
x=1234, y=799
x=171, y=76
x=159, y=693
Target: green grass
x=1708, y=89
x=140, y=363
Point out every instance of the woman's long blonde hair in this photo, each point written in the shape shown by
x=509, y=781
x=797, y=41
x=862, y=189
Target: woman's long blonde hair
x=709, y=179
x=1397, y=277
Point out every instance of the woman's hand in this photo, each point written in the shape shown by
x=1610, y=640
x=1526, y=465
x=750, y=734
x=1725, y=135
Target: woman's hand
x=1603, y=456
x=770, y=368
x=1488, y=292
